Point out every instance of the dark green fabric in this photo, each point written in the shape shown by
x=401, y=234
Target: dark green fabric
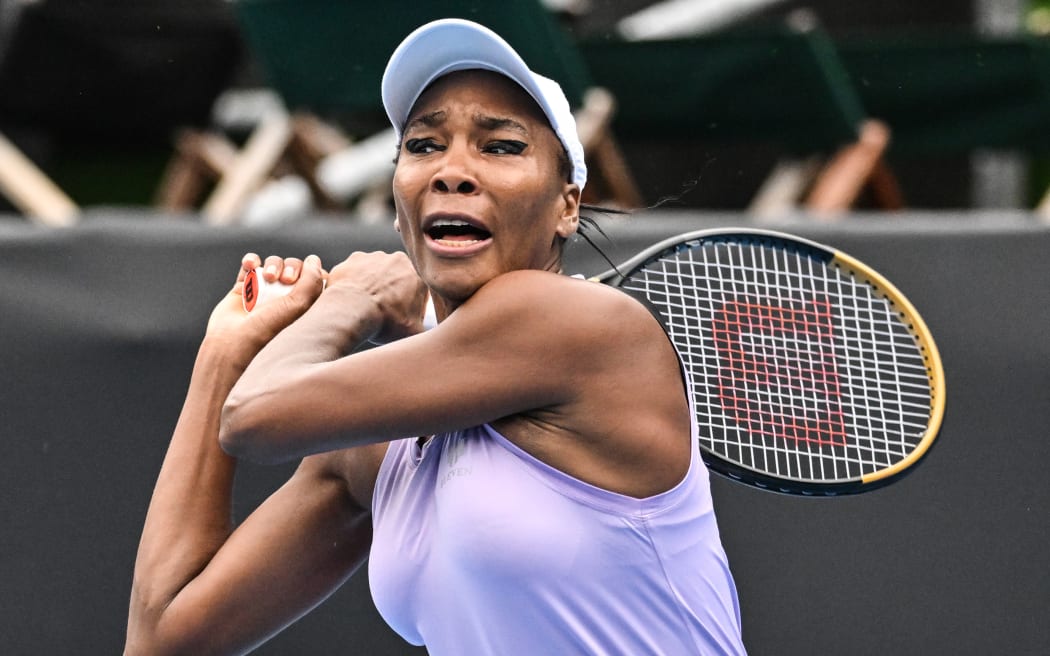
x=328, y=56
x=941, y=93
x=954, y=92
x=781, y=86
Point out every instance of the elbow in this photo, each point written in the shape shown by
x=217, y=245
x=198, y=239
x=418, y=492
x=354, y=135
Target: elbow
x=137, y=645
x=243, y=434
x=153, y=641
x=145, y=632
x=232, y=436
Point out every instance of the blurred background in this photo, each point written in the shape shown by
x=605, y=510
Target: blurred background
x=145, y=145
x=711, y=96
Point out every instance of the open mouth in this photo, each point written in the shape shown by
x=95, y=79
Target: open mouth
x=456, y=232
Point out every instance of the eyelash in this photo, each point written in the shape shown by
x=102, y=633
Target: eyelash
x=421, y=146
x=499, y=147
x=508, y=146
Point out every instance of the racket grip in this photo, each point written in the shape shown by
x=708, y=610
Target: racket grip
x=257, y=290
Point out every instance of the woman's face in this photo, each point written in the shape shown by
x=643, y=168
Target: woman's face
x=478, y=187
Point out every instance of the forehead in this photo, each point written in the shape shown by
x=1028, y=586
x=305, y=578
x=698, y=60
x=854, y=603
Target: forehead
x=487, y=92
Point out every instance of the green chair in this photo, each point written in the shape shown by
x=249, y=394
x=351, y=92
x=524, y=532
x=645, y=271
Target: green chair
x=31, y=191
x=954, y=92
x=780, y=86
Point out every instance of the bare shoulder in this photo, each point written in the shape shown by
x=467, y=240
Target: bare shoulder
x=626, y=425
x=596, y=335
x=580, y=311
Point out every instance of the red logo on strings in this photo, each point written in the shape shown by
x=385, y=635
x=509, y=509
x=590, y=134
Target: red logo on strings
x=777, y=371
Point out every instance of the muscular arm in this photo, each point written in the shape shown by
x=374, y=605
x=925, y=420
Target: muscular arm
x=564, y=351
x=301, y=395
x=203, y=587
x=200, y=586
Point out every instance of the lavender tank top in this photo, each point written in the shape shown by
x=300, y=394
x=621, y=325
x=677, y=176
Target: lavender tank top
x=481, y=549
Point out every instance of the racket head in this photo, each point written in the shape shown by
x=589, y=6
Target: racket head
x=810, y=372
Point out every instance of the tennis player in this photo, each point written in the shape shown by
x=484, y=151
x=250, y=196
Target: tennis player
x=523, y=478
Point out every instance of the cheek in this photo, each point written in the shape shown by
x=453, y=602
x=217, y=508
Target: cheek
x=533, y=191
x=398, y=189
x=403, y=223
x=546, y=205
x=407, y=184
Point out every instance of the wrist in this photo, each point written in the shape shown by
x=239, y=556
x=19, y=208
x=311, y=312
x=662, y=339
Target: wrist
x=355, y=310
x=226, y=353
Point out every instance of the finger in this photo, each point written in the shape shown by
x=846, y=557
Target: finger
x=249, y=262
x=313, y=263
x=312, y=271
x=290, y=271
x=273, y=268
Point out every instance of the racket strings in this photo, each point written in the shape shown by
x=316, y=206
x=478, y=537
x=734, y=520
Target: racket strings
x=798, y=369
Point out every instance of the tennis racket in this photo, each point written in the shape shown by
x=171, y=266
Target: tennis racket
x=811, y=373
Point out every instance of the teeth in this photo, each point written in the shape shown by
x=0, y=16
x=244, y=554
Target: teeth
x=457, y=243
x=450, y=222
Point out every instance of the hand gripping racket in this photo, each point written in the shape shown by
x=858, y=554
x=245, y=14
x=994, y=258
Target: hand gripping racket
x=256, y=290
x=811, y=373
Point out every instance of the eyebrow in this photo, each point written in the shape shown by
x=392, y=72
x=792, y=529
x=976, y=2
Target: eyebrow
x=436, y=118
x=498, y=123
x=429, y=120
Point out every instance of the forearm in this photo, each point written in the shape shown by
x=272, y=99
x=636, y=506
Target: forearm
x=189, y=516
x=203, y=587
x=338, y=323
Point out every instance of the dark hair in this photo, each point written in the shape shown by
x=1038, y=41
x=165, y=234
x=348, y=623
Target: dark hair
x=589, y=225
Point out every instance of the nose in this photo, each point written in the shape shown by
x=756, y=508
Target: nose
x=455, y=174
x=460, y=187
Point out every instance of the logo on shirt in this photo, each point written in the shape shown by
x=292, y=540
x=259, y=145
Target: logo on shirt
x=452, y=454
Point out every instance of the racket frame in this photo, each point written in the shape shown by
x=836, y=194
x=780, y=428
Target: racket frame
x=850, y=266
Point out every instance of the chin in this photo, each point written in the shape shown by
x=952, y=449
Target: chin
x=455, y=288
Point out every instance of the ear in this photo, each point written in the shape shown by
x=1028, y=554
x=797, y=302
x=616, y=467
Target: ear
x=397, y=224
x=569, y=220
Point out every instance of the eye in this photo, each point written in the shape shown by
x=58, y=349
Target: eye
x=422, y=146
x=505, y=147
